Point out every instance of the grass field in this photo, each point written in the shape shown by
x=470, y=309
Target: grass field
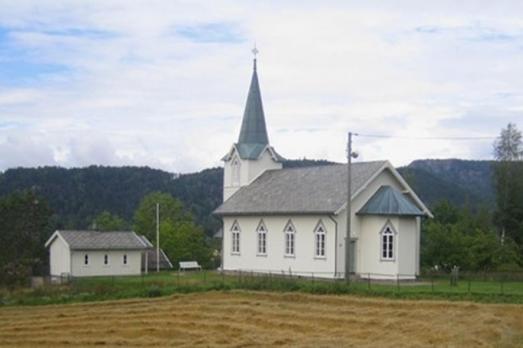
x=242, y=319
x=167, y=283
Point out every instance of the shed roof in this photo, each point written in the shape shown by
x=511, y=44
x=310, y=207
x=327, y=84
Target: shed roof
x=95, y=240
x=309, y=190
x=389, y=201
x=165, y=263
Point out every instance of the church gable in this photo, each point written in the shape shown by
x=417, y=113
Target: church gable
x=388, y=176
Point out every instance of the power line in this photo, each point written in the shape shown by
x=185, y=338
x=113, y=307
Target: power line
x=423, y=138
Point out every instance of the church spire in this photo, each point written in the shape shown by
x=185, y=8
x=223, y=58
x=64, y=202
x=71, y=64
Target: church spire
x=253, y=129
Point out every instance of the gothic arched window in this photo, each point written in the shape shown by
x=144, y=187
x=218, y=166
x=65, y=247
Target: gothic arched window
x=290, y=233
x=319, y=240
x=261, y=232
x=235, y=231
x=387, y=240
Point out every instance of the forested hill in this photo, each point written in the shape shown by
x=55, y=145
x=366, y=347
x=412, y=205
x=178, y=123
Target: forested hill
x=77, y=195
x=459, y=181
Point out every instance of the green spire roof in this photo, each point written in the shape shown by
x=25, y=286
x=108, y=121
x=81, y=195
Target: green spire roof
x=253, y=129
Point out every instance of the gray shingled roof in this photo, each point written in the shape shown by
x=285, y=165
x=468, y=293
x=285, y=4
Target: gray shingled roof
x=94, y=240
x=389, y=201
x=321, y=189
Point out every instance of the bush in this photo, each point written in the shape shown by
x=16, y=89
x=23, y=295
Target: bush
x=509, y=267
x=15, y=274
x=154, y=291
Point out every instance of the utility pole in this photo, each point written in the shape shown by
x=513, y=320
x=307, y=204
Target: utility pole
x=157, y=237
x=350, y=156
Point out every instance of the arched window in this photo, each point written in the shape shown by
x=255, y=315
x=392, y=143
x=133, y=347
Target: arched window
x=235, y=231
x=261, y=232
x=235, y=166
x=387, y=243
x=290, y=232
x=319, y=240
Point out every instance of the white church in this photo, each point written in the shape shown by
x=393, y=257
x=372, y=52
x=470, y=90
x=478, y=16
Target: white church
x=293, y=220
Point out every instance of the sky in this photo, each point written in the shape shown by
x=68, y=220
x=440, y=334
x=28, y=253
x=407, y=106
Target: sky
x=164, y=83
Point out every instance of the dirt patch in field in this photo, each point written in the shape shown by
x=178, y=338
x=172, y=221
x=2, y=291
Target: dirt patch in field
x=251, y=319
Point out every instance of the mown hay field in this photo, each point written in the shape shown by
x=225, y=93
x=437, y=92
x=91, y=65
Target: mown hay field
x=250, y=319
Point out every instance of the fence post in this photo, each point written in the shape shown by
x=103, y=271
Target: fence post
x=270, y=280
x=398, y=282
x=368, y=281
x=312, y=279
x=223, y=277
x=501, y=285
x=178, y=278
x=239, y=277
x=204, y=277
x=432, y=282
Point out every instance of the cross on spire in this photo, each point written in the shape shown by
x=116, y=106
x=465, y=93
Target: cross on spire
x=254, y=52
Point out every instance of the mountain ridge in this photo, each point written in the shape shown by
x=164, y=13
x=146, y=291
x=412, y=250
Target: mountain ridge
x=77, y=195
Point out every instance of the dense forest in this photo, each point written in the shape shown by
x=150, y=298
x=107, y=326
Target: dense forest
x=78, y=195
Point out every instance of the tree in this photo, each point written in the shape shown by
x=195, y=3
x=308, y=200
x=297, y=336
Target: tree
x=180, y=237
x=25, y=225
x=508, y=182
x=184, y=242
x=509, y=145
x=459, y=237
x=171, y=210
x=105, y=221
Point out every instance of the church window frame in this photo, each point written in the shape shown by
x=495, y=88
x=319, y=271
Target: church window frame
x=261, y=239
x=387, y=240
x=320, y=241
x=289, y=240
x=235, y=238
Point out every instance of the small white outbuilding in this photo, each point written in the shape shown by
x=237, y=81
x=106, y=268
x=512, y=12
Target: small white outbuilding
x=93, y=253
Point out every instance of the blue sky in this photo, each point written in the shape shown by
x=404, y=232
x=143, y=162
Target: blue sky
x=164, y=84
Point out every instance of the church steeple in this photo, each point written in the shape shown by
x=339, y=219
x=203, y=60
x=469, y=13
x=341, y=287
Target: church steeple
x=253, y=129
x=252, y=155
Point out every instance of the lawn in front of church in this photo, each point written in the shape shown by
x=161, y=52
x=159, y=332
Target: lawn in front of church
x=486, y=290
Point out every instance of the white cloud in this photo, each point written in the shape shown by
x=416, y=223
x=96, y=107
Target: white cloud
x=164, y=83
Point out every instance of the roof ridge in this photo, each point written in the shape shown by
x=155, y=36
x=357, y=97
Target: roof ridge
x=305, y=168
x=96, y=231
x=328, y=165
